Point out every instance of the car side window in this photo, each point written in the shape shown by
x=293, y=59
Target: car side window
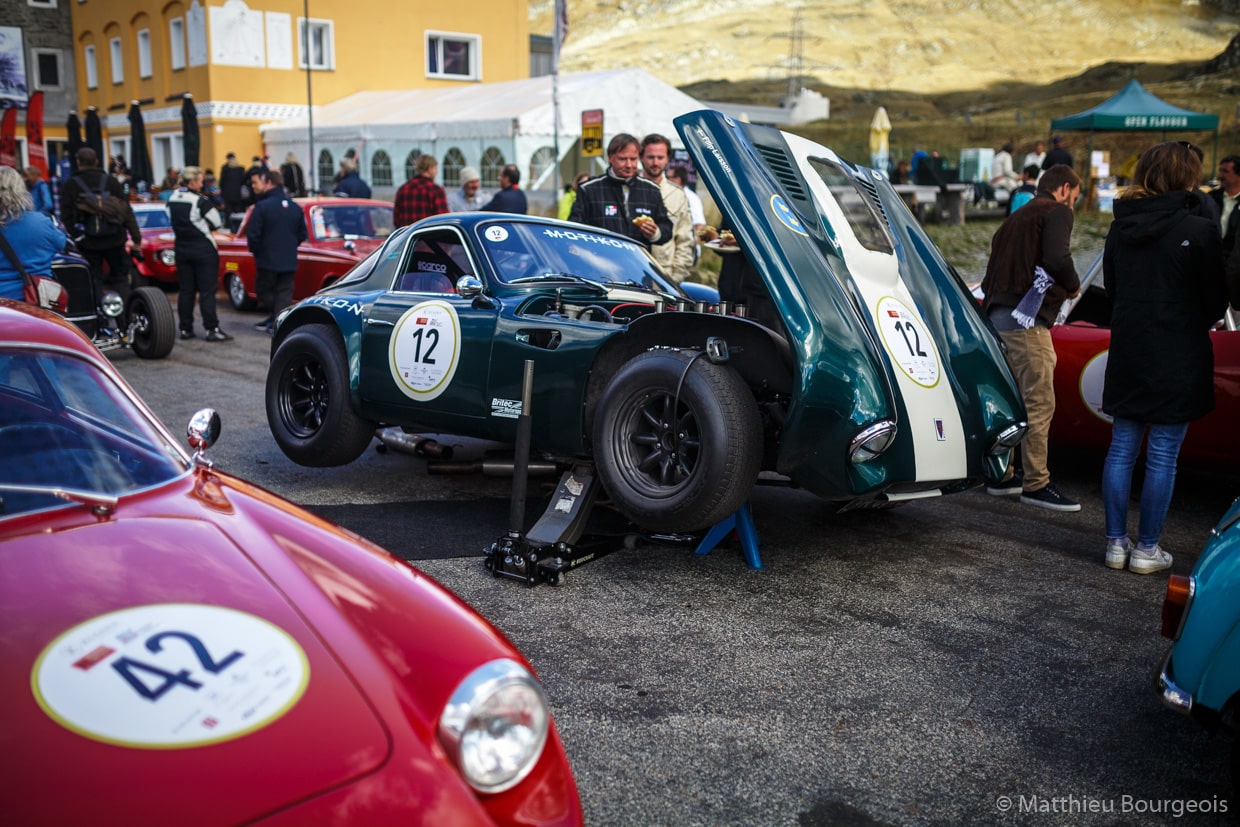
x=436, y=260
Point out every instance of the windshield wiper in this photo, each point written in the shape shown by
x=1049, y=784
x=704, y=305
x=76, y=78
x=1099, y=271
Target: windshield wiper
x=101, y=504
x=584, y=282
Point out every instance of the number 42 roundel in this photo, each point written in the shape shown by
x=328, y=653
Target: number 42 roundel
x=424, y=349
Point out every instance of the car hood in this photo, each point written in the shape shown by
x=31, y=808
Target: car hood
x=150, y=659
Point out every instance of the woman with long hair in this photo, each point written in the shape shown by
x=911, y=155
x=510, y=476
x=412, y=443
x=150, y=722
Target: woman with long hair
x=1163, y=265
x=33, y=236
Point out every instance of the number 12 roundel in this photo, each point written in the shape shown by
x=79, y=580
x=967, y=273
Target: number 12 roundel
x=424, y=349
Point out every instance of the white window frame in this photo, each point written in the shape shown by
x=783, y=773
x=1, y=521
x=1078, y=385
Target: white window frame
x=434, y=46
x=176, y=43
x=39, y=82
x=327, y=26
x=92, y=68
x=118, y=60
x=144, y=53
x=42, y=4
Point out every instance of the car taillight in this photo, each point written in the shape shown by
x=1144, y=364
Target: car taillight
x=1180, y=590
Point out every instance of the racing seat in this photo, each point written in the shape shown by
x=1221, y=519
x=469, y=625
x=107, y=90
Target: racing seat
x=424, y=282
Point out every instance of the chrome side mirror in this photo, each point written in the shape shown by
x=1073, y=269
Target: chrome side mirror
x=468, y=287
x=203, y=431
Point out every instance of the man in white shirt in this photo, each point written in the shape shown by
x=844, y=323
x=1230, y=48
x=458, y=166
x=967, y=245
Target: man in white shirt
x=1002, y=175
x=676, y=256
x=1037, y=156
x=697, y=214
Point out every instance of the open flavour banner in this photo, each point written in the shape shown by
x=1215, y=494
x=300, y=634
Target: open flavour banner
x=34, y=134
x=8, y=138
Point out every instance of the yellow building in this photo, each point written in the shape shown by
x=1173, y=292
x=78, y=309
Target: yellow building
x=247, y=65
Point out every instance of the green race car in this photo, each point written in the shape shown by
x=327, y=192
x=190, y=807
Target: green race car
x=870, y=377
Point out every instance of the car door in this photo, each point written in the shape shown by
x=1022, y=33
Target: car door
x=426, y=351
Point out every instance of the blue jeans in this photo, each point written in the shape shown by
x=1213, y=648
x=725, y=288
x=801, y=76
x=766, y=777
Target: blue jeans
x=1160, y=459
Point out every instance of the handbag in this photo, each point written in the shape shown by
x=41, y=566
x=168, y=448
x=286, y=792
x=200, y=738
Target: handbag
x=42, y=291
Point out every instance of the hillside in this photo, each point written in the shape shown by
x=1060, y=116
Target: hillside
x=918, y=46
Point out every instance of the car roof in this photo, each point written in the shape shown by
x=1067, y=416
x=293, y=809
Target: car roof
x=470, y=220
x=22, y=322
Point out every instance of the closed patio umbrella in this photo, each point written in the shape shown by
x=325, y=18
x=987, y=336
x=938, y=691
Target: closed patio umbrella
x=94, y=134
x=139, y=153
x=880, y=128
x=74, y=129
x=189, y=130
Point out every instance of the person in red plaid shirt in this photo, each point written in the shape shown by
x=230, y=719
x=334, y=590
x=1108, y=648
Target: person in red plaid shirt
x=420, y=196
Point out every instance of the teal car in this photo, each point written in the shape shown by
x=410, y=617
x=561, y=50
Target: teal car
x=869, y=378
x=1200, y=676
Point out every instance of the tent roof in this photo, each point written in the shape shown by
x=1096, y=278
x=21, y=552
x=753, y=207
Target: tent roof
x=1135, y=108
x=632, y=99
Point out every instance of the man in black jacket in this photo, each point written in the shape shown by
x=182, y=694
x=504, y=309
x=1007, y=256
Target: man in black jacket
x=277, y=227
x=621, y=201
x=112, y=247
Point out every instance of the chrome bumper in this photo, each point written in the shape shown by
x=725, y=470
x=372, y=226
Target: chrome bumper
x=1172, y=695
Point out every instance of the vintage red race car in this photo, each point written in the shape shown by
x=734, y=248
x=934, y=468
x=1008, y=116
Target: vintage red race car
x=158, y=264
x=342, y=231
x=178, y=641
x=1082, y=338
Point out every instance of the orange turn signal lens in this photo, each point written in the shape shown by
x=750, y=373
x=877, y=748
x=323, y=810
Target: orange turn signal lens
x=1175, y=605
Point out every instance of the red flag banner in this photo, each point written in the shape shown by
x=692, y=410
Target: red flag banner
x=8, y=139
x=34, y=133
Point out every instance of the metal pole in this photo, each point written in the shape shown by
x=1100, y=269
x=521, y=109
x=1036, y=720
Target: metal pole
x=555, y=105
x=311, y=161
x=521, y=457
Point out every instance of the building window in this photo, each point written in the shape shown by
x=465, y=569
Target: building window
x=92, y=74
x=42, y=4
x=450, y=169
x=176, y=42
x=118, y=60
x=411, y=163
x=453, y=56
x=321, y=45
x=381, y=170
x=47, y=68
x=327, y=168
x=144, y=53
x=540, y=162
x=492, y=163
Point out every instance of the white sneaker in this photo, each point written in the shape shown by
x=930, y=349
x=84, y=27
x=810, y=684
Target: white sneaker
x=1148, y=560
x=1118, y=549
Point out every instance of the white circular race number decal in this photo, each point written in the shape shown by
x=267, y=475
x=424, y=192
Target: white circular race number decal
x=170, y=676
x=908, y=342
x=425, y=349
x=1093, y=377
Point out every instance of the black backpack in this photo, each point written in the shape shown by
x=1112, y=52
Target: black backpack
x=100, y=209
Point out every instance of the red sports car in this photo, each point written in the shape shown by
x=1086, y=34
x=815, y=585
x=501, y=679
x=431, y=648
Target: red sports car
x=1082, y=339
x=158, y=264
x=177, y=641
x=342, y=231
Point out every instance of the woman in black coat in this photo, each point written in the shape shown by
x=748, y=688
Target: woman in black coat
x=1163, y=265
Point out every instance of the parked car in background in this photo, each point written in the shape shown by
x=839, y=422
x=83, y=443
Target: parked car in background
x=157, y=264
x=1200, y=676
x=872, y=377
x=342, y=231
x=242, y=660
x=1082, y=339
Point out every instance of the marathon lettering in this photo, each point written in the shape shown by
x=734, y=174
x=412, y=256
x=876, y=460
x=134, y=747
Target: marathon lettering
x=1156, y=121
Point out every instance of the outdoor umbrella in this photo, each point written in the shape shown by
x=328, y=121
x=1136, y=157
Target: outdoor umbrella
x=74, y=127
x=94, y=134
x=140, y=155
x=880, y=127
x=189, y=130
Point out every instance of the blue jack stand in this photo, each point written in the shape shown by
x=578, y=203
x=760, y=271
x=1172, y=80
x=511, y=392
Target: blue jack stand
x=742, y=523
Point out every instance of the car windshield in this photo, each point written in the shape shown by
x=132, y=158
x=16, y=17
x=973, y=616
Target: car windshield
x=152, y=219
x=528, y=251
x=65, y=424
x=334, y=221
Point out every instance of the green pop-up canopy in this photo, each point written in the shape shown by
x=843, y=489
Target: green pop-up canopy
x=1136, y=109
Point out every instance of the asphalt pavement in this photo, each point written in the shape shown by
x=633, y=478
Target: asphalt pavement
x=964, y=660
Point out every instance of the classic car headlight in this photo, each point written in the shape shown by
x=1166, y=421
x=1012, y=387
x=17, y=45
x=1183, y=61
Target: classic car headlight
x=1008, y=438
x=495, y=725
x=168, y=257
x=871, y=441
x=112, y=304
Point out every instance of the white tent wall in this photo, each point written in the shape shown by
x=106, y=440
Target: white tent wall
x=515, y=118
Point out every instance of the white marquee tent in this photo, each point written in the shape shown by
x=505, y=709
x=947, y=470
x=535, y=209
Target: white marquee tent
x=484, y=126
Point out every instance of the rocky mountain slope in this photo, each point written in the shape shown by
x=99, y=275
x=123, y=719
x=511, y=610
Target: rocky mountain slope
x=921, y=46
